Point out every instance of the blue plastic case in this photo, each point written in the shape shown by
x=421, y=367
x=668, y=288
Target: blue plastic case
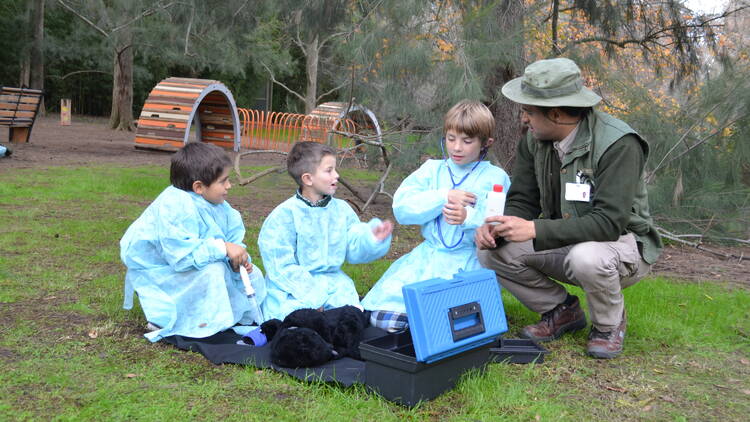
x=447, y=317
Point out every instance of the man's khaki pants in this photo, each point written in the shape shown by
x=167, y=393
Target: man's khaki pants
x=601, y=269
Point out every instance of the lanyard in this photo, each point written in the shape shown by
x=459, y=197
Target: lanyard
x=455, y=185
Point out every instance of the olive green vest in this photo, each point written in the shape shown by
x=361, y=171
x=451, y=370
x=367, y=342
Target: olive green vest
x=596, y=133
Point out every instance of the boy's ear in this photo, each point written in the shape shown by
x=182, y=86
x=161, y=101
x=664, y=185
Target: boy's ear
x=198, y=187
x=489, y=143
x=306, y=179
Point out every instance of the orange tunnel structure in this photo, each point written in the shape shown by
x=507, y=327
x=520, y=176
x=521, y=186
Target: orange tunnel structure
x=179, y=110
x=279, y=131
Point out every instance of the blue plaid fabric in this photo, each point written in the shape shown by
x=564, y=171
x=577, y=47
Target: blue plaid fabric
x=392, y=322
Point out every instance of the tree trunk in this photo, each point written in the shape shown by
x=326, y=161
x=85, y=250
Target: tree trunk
x=508, y=128
x=24, y=79
x=24, y=76
x=555, y=15
x=311, y=66
x=121, y=117
x=36, y=59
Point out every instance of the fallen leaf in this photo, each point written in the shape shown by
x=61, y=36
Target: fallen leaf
x=709, y=297
x=259, y=371
x=658, y=371
x=130, y=375
x=648, y=408
x=721, y=386
x=746, y=392
x=618, y=389
x=93, y=334
x=744, y=361
x=537, y=417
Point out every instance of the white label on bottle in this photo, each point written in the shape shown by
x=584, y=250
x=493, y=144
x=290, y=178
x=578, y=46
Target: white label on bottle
x=495, y=205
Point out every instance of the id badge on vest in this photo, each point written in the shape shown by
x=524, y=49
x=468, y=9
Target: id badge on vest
x=578, y=191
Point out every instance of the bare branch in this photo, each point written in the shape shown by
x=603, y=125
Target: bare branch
x=256, y=176
x=273, y=79
x=105, y=33
x=145, y=13
x=239, y=9
x=351, y=189
x=379, y=188
x=697, y=245
x=187, y=32
x=701, y=237
x=330, y=37
x=83, y=18
x=663, y=162
x=651, y=174
x=330, y=91
x=80, y=71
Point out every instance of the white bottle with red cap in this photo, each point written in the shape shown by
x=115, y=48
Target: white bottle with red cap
x=495, y=202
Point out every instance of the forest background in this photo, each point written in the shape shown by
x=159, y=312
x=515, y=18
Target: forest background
x=680, y=77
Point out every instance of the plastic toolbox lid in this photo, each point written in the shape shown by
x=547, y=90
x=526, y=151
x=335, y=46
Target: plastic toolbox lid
x=447, y=317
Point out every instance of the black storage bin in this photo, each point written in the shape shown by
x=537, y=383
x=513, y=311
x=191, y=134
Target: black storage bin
x=391, y=369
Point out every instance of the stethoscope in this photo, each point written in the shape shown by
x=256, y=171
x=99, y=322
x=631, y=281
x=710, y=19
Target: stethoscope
x=455, y=185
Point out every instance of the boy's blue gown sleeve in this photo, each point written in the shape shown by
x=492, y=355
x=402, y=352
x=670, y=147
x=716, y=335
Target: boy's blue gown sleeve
x=182, y=276
x=417, y=200
x=420, y=200
x=362, y=247
x=303, y=249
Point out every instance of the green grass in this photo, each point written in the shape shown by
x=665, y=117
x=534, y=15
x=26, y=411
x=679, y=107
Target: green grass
x=69, y=352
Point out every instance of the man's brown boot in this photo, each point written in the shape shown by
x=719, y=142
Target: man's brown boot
x=554, y=323
x=607, y=345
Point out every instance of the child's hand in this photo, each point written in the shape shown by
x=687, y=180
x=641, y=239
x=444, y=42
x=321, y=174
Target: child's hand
x=461, y=197
x=237, y=255
x=248, y=266
x=383, y=230
x=454, y=213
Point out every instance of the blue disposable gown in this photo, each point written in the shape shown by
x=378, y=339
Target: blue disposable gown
x=303, y=248
x=420, y=199
x=183, y=279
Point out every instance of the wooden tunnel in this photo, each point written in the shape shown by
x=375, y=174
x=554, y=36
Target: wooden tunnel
x=180, y=110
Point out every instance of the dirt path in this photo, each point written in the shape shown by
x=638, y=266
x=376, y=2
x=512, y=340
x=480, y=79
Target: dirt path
x=88, y=142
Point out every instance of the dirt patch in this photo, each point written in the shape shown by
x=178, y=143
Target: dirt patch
x=689, y=263
x=88, y=141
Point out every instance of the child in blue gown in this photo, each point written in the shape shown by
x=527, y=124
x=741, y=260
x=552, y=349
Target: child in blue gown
x=306, y=239
x=447, y=199
x=184, y=252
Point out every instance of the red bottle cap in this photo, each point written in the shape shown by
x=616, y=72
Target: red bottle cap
x=497, y=188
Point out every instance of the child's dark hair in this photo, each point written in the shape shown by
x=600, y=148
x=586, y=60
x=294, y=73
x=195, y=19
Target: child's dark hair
x=197, y=161
x=305, y=158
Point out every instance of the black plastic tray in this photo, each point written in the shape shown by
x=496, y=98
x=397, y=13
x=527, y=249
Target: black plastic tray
x=518, y=350
x=392, y=370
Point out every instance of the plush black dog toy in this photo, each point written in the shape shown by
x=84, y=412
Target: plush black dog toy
x=308, y=337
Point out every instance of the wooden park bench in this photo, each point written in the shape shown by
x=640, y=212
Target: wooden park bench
x=18, y=108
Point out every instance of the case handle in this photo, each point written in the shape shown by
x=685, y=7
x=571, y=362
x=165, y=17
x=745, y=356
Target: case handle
x=466, y=320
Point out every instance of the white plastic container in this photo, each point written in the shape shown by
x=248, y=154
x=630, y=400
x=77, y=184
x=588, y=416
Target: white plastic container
x=495, y=202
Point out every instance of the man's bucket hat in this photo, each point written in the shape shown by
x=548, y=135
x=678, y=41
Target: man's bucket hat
x=551, y=83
